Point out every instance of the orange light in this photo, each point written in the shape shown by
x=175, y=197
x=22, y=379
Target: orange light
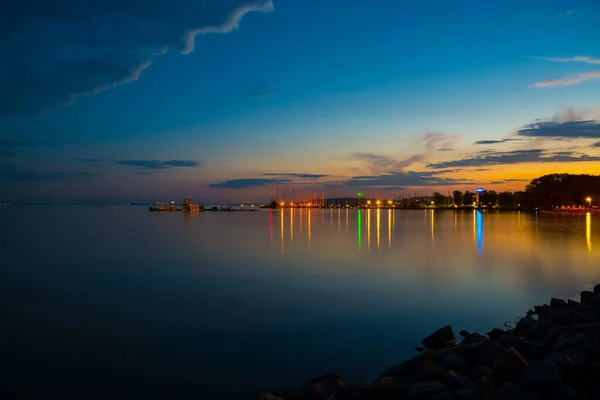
x=282, y=204
x=309, y=204
x=378, y=202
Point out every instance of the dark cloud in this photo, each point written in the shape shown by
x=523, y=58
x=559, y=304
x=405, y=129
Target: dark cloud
x=90, y=160
x=516, y=180
x=379, y=164
x=56, y=51
x=589, y=129
x=18, y=175
x=515, y=157
x=446, y=149
x=17, y=143
x=401, y=179
x=7, y=154
x=296, y=175
x=155, y=164
x=495, y=182
x=497, y=141
x=248, y=183
x=265, y=90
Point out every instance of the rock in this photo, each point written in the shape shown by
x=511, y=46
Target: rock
x=443, y=396
x=554, y=333
x=595, y=302
x=440, y=339
x=576, y=356
x=557, y=303
x=588, y=329
x=485, y=389
x=542, y=311
x=526, y=348
x=541, y=327
x=510, y=363
x=420, y=349
x=575, y=305
x=478, y=349
x=412, y=370
x=586, y=297
x=269, y=396
x=481, y=370
x=358, y=391
x=539, y=373
x=463, y=394
x=597, y=288
x=574, y=339
x=453, y=380
x=565, y=315
x=463, y=333
x=425, y=390
x=530, y=312
x=451, y=361
x=496, y=333
x=566, y=393
x=511, y=391
x=325, y=387
x=432, y=370
x=525, y=324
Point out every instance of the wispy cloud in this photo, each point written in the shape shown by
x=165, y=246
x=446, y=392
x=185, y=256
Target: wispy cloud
x=580, y=59
x=433, y=141
x=378, y=164
x=589, y=129
x=568, y=80
x=264, y=90
x=397, y=180
x=249, y=183
x=26, y=143
x=62, y=50
x=497, y=141
x=487, y=158
x=297, y=175
x=155, y=164
x=446, y=149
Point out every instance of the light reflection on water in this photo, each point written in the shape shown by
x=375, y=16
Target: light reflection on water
x=192, y=295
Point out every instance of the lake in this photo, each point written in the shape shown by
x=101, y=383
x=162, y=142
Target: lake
x=120, y=302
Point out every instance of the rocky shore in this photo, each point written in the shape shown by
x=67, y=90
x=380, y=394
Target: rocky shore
x=552, y=353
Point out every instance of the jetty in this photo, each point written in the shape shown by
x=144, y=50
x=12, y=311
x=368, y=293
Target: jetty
x=553, y=352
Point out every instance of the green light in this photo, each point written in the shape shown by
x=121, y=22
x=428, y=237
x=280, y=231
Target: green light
x=359, y=194
x=359, y=220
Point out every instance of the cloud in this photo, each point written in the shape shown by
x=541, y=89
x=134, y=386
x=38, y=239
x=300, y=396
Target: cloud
x=62, y=50
x=296, y=175
x=446, y=149
x=248, y=183
x=497, y=141
x=155, y=164
x=18, y=175
x=596, y=144
x=7, y=154
x=90, y=160
x=581, y=59
x=379, y=164
x=515, y=180
x=568, y=80
x=495, y=182
x=261, y=91
x=401, y=179
x=589, y=129
x=435, y=140
x=17, y=143
x=515, y=157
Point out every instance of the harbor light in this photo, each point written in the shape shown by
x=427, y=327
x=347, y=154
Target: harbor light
x=378, y=202
x=589, y=201
x=390, y=202
x=282, y=204
x=369, y=202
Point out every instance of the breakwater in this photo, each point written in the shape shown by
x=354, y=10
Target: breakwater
x=553, y=352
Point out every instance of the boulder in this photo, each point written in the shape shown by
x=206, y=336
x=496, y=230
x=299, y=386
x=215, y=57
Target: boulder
x=412, y=370
x=463, y=333
x=597, y=288
x=420, y=349
x=595, y=302
x=463, y=394
x=557, y=303
x=588, y=329
x=425, y=390
x=451, y=361
x=453, y=380
x=542, y=311
x=358, y=391
x=440, y=339
x=586, y=297
x=574, y=339
x=478, y=349
x=485, y=389
x=509, y=363
x=325, y=387
x=554, y=333
x=432, y=370
x=496, y=333
x=525, y=324
x=539, y=374
x=576, y=356
x=443, y=396
x=575, y=305
x=512, y=391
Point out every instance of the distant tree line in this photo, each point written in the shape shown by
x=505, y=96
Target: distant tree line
x=546, y=191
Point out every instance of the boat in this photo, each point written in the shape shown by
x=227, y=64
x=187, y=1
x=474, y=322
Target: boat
x=188, y=206
x=163, y=207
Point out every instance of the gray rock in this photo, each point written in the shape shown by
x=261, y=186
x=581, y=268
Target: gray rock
x=557, y=303
x=597, y=288
x=576, y=356
x=586, y=297
x=453, y=380
x=425, y=389
x=539, y=373
x=512, y=391
x=451, y=361
x=573, y=339
x=440, y=339
x=510, y=363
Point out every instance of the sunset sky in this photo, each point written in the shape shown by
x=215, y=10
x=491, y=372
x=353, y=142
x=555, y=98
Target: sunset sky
x=225, y=100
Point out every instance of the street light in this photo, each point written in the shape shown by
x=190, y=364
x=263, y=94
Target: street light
x=589, y=201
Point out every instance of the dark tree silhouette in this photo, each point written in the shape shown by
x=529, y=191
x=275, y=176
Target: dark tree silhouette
x=457, y=196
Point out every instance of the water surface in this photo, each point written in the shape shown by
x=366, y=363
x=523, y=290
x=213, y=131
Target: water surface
x=118, y=301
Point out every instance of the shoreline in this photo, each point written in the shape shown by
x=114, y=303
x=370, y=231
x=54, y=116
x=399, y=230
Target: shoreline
x=553, y=352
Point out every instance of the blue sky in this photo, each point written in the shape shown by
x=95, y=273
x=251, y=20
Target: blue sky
x=344, y=89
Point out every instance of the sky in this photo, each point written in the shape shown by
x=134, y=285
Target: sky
x=226, y=101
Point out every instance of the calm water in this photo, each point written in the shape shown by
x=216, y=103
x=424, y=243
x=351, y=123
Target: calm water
x=121, y=301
